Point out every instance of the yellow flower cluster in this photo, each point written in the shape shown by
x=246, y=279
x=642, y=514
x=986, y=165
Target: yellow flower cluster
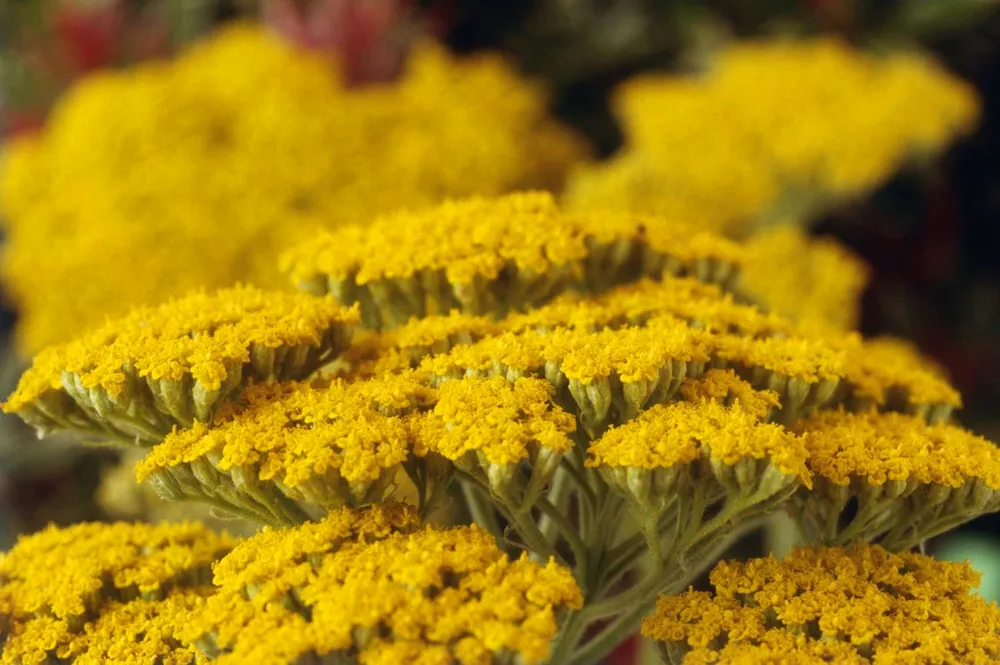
x=931, y=477
x=133, y=633
x=96, y=593
x=612, y=373
x=387, y=596
x=492, y=256
x=67, y=572
x=346, y=442
x=853, y=120
x=137, y=377
x=703, y=448
x=856, y=605
x=820, y=282
x=198, y=174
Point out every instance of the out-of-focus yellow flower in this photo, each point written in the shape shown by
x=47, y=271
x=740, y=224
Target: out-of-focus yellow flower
x=774, y=130
x=856, y=605
x=820, y=282
x=194, y=173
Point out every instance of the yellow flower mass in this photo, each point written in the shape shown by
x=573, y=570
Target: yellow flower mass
x=853, y=120
x=138, y=376
x=68, y=573
x=492, y=256
x=426, y=595
x=207, y=166
x=893, y=464
x=856, y=605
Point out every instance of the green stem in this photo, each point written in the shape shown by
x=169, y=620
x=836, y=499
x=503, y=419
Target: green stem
x=557, y=496
x=481, y=509
x=567, y=530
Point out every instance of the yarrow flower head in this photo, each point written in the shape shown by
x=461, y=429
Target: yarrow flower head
x=689, y=158
x=138, y=376
x=862, y=604
x=283, y=443
x=197, y=178
x=493, y=256
x=732, y=462
x=93, y=593
x=910, y=480
x=387, y=596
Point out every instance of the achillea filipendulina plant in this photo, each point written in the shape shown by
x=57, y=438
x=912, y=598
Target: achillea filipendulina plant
x=862, y=604
x=587, y=409
x=198, y=176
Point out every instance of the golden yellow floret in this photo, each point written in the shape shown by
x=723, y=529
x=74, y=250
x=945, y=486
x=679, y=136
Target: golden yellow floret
x=138, y=376
x=816, y=282
x=445, y=595
x=324, y=445
x=856, y=605
x=490, y=256
x=197, y=177
x=690, y=158
x=67, y=573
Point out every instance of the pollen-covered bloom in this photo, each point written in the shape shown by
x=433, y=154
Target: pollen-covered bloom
x=93, y=591
x=137, y=377
x=493, y=256
x=197, y=178
x=707, y=463
x=908, y=480
x=491, y=428
x=857, y=605
x=386, y=596
x=279, y=445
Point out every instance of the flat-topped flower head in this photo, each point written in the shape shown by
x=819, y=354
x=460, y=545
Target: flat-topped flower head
x=137, y=377
x=703, y=446
x=67, y=573
x=725, y=387
x=493, y=256
x=407, y=596
x=857, y=605
x=819, y=284
x=606, y=376
x=134, y=631
x=892, y=373
x=911, y=480
x=490, y=427
x=404, y=347
x=277, y=444
x=271, y=562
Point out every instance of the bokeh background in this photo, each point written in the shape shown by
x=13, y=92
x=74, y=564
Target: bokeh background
x=930, y=233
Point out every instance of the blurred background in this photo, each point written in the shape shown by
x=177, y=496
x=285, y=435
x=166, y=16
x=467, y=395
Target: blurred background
x=927, y=226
